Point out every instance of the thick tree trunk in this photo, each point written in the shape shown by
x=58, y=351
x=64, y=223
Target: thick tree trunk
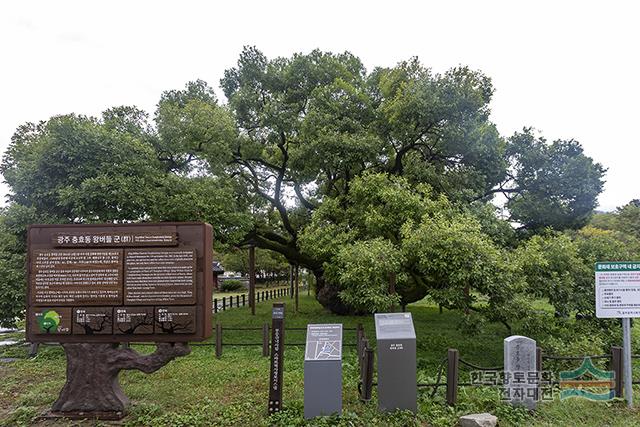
x=327, y=295
x=92, y=388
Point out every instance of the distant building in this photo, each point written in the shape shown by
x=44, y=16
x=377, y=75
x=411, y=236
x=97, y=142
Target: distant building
x=217, y=270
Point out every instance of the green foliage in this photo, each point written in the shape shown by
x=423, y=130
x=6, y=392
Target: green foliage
x=22, y=416
x=554, y=185
x=386, y=226
x=629, y=218
x=81, y=169
x=230, y=285
x=625, y=219
x=269, y=265
x=362, y=270
x=560, y=266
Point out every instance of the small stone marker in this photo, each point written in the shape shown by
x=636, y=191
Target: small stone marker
x=397, y=379
x=478, y=420
x=277, y=358
x=323, y=370
x=521, y=375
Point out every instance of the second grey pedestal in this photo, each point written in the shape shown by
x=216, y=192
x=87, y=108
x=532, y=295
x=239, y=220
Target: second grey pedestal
x=323, y=370
x=397, y=378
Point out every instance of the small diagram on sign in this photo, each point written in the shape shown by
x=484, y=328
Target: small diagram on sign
x=327, y=350
x=92, y=320
x=175, y=320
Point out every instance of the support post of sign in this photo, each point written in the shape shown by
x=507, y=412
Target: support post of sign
x=453, y=365
x=33, y=350
x=616, y=367
x=626, y=336
x=252, y=279
x=297, y=274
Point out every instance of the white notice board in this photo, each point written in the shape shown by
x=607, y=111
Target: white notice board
x=618, y=289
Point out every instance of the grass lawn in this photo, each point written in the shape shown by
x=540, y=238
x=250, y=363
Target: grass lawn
x=200, y=390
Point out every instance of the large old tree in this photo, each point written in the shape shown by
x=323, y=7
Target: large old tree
x=277, y=164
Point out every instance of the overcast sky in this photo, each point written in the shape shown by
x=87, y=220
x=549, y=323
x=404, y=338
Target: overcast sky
x=568, y=68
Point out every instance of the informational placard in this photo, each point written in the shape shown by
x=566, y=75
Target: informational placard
x=160, y=276
x=324, y=342
x=397, y=365
x=617, y=289
x=323, y=370
x=76, y=276
x=277, y=358
x=113, y=283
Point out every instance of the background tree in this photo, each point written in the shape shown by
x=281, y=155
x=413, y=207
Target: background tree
x=270, y=265
x=550, y=185
x=75, y=169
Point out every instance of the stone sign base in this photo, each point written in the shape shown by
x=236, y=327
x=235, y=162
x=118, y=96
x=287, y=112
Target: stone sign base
x=92, y=389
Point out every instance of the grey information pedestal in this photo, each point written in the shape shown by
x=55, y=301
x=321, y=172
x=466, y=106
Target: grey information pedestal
x=397, y=388
x=323, y=370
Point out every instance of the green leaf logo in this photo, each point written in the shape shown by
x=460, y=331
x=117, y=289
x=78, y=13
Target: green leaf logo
x=49, y=321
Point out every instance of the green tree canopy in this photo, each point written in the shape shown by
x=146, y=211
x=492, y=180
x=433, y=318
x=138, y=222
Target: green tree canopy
x=298, y=143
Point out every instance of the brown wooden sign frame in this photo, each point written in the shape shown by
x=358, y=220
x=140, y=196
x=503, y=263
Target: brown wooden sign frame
x=77, y=240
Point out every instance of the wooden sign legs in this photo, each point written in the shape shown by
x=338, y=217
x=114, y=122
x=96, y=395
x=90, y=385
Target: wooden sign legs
x=92, y=389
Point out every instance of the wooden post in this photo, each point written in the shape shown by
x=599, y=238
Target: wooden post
x=218, y=340
x=224, y=303
x=616, y=367
x=265, y=340
x=291, y=279
x=252, y=279
x=360, y=349
x=297, y=274
x=392, y=288
x=539, y=370
x=367, y=380
x=452, y=376
x=215, y=305
x=237, y=300
x=243, y=300
x=359, y=337
x=277, y=358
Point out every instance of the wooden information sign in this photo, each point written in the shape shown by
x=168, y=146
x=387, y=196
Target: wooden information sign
x=277, y=358
x=119, y=283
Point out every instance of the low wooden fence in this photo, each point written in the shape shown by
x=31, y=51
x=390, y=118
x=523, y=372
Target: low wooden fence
x=448, y=372
x=241, y=300
x=451, y=364
x=265, y=343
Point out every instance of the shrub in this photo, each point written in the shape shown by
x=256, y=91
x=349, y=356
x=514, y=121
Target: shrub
x=231, y=285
